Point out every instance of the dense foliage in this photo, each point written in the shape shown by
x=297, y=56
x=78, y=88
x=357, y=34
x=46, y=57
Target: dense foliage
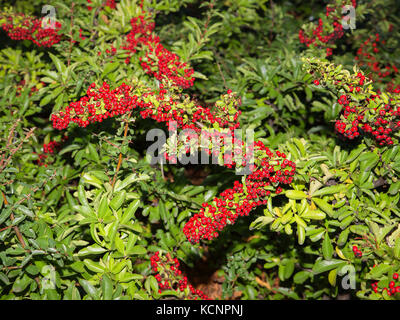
x=86, y=214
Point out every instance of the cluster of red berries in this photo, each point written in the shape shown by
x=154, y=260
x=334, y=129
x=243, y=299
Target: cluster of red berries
x=381, y=127
x=355, y=120
x=111, y=52
x=21, y=27
x=320, y=35
x=156, y=59
x=357, y=252
x=81, y=36
x=111, y=4
x=392, y=87
x=393, y=289
x=49, y=148
x=170, y=277
x=96, y=106
x=366, y=55
x=270, y=170
x=324, y=39
x=363, y=111
x=103, y=103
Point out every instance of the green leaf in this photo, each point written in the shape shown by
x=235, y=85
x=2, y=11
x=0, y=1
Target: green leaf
x=112, y=232
x=5, y=279
x=21, y=283
x=93, y=152
x=332, y=277
x=169, y=293
x=136, y=250
x=379, y=271
x=93, y=249
x=162, y=211
x=202, y=55
x=87, y=178
x=103, y=207
x=289, y=268
x=118, y=200
x=110, y=67
x=60, y=66
x=5, y=213
x=355, y=153
x=295, y=194
x=313, y=215
x=300, y=221
x=343, y=237
x=281, y=272
x=327, y=247
x=301, y=234
x=89, y=288
x=107, y=287
x=368, y=161
x=394, y=188
x=129, y=180
x=151, y=284
x=69, y=148
x=82, y=195
x=301, y=276
x=199, y=75
x=93, y=266
x=321, y=266
x=45, y=100
x=130, y=211
x=324, y=206
x=359, y=229
x=131, y=242
x=336, y=189
x=84, y=210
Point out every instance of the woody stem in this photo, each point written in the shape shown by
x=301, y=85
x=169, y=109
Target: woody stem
x=120, y=154
x=16, y=229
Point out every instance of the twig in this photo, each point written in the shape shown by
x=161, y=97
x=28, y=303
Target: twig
x=13, y=151
x=264, y=284
x=120, y=154
x=219, y=68
x=201, y=40
x=2, y=229
x=16, y=229
x=95, y=23
x=12, y=268
x=273, y=22
x=71, y=43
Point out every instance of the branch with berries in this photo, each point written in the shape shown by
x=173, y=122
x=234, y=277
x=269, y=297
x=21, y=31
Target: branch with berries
x=328, y=29
x=154, y=58
x=19, y=26
x=364, y=112
x=169, y=277
x=367, y=55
